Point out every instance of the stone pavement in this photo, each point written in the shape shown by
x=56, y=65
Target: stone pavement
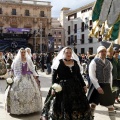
x=100, y=113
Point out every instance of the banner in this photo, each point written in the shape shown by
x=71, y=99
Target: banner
x=50, y=44
x=12, y=44
x=18, y=29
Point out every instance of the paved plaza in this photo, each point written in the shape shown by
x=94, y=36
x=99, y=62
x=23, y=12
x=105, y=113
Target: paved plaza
x=100, y=114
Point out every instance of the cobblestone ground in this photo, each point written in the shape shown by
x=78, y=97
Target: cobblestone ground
x=100, y=113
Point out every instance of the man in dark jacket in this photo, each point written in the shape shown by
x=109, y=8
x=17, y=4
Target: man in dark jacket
x=48, y=60
x=42, y=62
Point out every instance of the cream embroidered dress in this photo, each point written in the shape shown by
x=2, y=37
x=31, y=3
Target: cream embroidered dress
x=24, y=96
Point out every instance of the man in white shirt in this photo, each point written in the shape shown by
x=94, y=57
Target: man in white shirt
x=100, y=72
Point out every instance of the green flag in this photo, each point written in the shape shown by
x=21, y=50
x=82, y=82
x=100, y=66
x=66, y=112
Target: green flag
x=97, y=9
x=116, y=30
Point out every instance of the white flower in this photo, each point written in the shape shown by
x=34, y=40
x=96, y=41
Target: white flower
x=83, y=64
x=9, y=80
x=7, y=64
x=57, y=87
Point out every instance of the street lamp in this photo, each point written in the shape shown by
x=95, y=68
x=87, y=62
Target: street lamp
x=34, y=33
x=40, y=36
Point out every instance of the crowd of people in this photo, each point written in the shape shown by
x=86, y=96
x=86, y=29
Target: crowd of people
x=76, y=101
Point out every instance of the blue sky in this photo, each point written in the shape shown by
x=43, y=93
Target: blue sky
x=73, y=4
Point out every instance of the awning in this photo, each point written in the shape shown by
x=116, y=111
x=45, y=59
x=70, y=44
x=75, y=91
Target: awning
x=18, y=29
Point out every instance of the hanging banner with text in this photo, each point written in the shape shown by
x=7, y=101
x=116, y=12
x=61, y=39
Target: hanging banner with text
x=50, y=44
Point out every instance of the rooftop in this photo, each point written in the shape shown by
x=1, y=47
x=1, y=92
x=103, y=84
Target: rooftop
x=33, y=2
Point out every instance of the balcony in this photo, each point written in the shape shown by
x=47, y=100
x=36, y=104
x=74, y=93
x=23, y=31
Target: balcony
x=42, y=15
x=27, y=26
x=13, y=13
x=14, y=24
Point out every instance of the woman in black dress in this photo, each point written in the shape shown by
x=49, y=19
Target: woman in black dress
x=71, y=103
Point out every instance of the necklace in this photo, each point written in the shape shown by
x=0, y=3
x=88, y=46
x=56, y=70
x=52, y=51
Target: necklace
x=67, y=60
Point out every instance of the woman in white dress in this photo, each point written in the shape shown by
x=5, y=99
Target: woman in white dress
x=23, y=96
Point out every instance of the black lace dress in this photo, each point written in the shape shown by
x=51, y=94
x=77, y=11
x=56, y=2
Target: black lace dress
x=71, y=103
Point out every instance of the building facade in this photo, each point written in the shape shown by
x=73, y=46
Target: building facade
x=77, y=24
x=31, y=18
x=58, y=33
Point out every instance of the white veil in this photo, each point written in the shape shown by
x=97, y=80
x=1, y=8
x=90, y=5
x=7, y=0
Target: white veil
x=17, y=64
x=30, y=51
x=61, y=56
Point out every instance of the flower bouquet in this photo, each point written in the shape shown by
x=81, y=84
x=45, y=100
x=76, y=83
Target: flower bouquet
x=56, y=88
x=9, y=82
x=46, y=115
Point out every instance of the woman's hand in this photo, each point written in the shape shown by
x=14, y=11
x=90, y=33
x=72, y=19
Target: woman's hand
x=52, y=92
x=100, y=90
x=85, y=89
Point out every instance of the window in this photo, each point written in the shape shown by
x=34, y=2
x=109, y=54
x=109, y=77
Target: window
x=27, y=13
x=82, y=39
x=90, y=22
x=59, y=40
x=43, y=32
x=13, y=11
x=73, y=16
x=59, y=33
x=90, y=8
x=75, y=28
x=0, y=10
x=85, y=10
x=42, y=14
x=68, y=30
x=75, y=40
x=71, y=39
x=91, y=50
x=68, y=42
x=90, y=28
x=82, y=50
x=99, y=39
x=90, y=40
x=82, y=27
